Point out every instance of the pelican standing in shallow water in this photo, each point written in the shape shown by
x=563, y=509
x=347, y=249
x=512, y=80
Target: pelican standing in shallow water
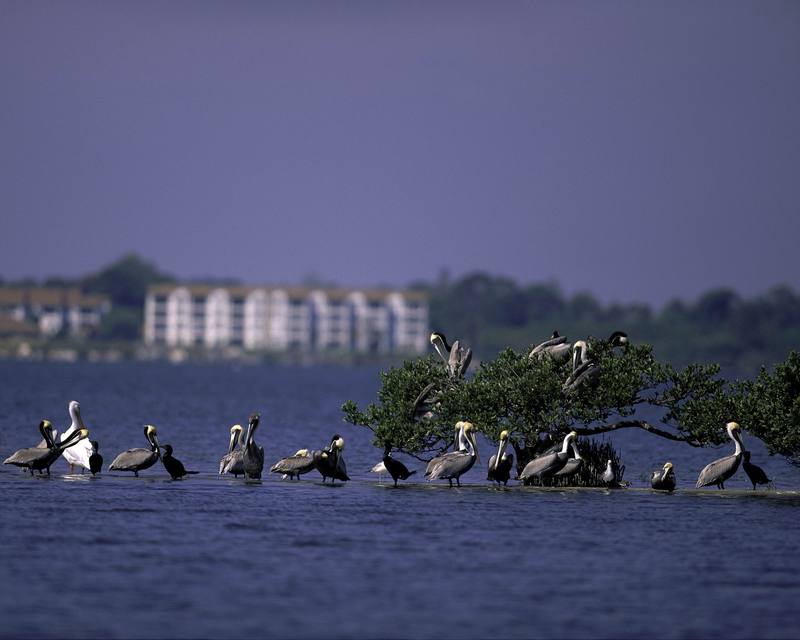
x=663, y=479
x=39, y=458
x=719, y=471
x=396, y=469
x=452, y=466
x=501, y=462
x=138, y=459
x=549, y=464
x=330, y=462
x=756, y=474
x=231, y=462
x=253, y=455
x=460, y=443
x=79, y=453
x=294, y=466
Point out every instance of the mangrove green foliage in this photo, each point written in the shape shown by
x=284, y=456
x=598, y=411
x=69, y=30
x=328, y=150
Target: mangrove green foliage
x=526, y=396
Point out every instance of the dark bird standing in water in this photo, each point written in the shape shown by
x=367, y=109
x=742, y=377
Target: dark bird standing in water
x=500, y=463
x=173, y=466
x=756, y=474
x=95, y=460
x=396, y=469
x=253, y=455
x=330, y=463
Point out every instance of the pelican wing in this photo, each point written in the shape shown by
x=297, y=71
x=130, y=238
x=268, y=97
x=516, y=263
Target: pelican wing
x=293, y=464
x=134, y=459
x=572, y=467
x=231, y=463
x=545, y=465
x=24, y=457
x=452, y=465
x=718, y=471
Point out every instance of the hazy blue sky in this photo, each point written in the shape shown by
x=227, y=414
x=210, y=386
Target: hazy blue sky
x=639, y=150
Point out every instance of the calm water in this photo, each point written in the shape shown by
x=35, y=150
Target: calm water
x=215, y=557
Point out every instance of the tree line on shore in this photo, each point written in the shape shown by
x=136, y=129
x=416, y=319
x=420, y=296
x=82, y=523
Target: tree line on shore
x=491, y=313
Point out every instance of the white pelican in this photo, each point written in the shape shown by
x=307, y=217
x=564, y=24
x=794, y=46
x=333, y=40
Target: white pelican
x=80, y=452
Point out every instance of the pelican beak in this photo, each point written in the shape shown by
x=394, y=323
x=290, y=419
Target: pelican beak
x=232, y=442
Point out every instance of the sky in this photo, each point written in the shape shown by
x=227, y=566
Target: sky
x=637, y=150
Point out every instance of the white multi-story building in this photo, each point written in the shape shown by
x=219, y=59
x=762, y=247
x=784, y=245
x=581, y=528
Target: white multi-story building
x=301, y=319
x=53, y=311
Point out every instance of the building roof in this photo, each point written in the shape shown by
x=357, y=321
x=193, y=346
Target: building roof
x=292, y=292
x=49, y=296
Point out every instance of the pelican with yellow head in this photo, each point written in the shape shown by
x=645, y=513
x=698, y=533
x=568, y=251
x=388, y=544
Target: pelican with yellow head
x=500, y=464
x=139, y=459
x=41, y=458
x=546, y=466
x=231, y=462
x=452, y=466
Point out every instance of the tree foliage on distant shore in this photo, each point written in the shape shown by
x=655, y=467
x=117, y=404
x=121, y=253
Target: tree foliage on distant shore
x=492, y=312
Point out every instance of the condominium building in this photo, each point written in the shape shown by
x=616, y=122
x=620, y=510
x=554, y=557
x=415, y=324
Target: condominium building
x=304, y=319
x=52, y=311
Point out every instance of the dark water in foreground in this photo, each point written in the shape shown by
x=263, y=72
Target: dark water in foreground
x=214, y=557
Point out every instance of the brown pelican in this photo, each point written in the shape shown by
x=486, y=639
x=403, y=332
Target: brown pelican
x=549, y=464
x=396, y=469
x=174, y=467
x=556, y=347
x=584, y=369
x=138, y=459
x=573, y=464
x=664, y=479
x=425, y=403
x=500, y=463
x=39, y=458
x=252, y=454
x=455, y=357
x=95, y=460
x=330, y=463
x=460, y=444
x=231, y=462
x=720, y=470
x=756, y=474
x=294, y=466
x=452, y=466
x=79, y=453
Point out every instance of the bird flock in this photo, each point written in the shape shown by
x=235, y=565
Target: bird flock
x=244, y=457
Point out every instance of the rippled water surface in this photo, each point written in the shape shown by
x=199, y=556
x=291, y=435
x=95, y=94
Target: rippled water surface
x=214, y=557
